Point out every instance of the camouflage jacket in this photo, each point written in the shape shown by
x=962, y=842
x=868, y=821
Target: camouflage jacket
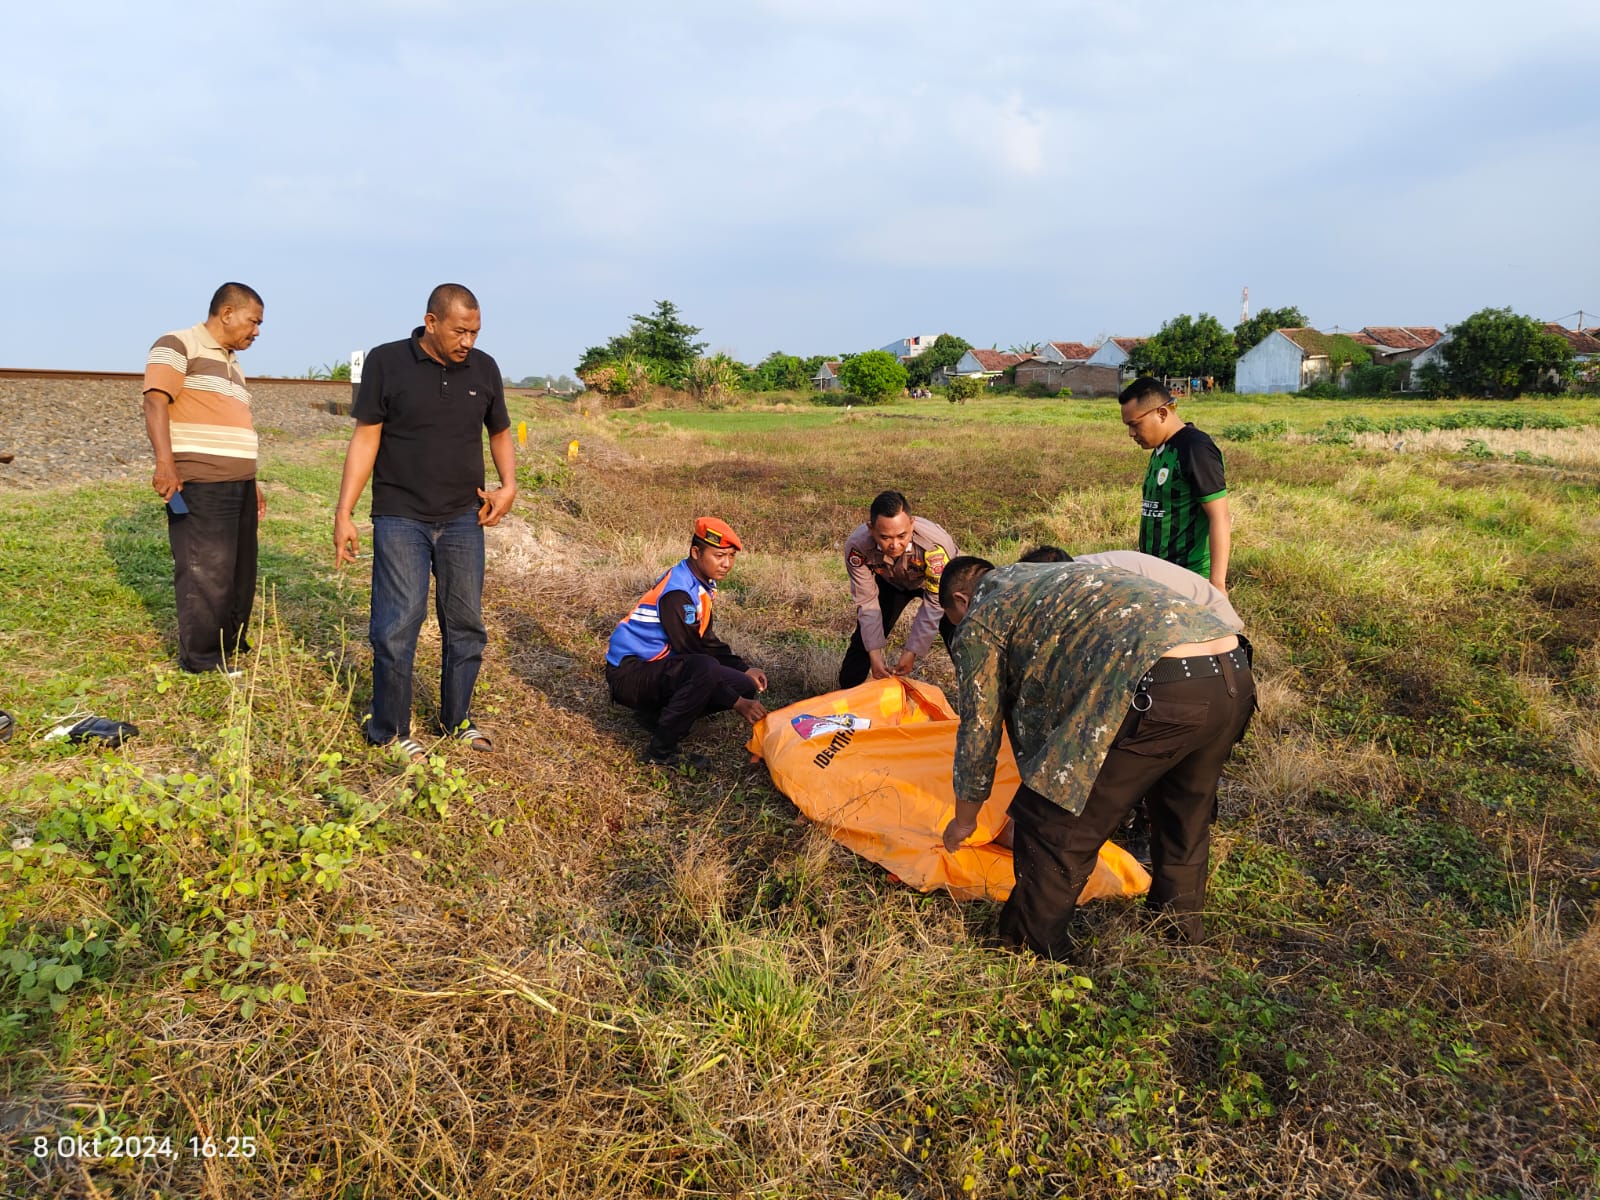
x=1052, y=652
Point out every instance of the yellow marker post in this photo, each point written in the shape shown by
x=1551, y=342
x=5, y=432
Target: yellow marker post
x=522, y=433
x=572, y=450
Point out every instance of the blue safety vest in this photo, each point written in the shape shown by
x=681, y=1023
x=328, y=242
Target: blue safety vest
x=639, y=634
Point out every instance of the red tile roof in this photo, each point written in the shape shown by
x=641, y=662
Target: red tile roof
x=1403, y=337
x=1582, y=341
x=1073, y=350
x=995, y=360
x=833, y=368
x=1128, y=343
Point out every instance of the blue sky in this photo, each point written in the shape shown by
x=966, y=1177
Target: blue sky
x=815, y=177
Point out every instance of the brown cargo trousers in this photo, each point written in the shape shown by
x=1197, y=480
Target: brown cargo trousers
x=1173, y=753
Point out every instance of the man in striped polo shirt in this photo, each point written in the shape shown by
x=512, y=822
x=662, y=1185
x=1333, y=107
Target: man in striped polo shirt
x=1185, y=517
x=197, y=414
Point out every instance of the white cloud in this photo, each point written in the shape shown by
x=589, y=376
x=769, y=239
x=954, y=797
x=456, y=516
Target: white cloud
x=865, y=158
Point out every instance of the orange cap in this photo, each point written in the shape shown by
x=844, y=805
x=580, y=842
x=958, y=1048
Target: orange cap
x=716, y=533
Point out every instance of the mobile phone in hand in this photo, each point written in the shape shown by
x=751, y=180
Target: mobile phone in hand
x=176, y=506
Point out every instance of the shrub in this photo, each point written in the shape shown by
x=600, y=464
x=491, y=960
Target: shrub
x=1374, y=379
x=874, y=376
x=1251, y=431
x=963, y=388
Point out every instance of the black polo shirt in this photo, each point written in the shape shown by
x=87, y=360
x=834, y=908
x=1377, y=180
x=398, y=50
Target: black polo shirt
x=430, y=456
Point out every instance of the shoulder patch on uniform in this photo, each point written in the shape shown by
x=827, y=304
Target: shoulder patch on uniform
x=691, y=613
x=937, y=560
x=855, y=559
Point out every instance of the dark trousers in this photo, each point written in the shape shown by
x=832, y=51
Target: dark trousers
x=1172, y=754
x=676, y=691
x=214, y=571
x=405, y=553
x=892, y=601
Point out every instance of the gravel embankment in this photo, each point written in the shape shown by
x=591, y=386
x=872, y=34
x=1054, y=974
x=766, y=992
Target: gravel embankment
x=70, y=431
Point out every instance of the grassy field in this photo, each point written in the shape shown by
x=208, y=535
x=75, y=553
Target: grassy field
x=553, y=972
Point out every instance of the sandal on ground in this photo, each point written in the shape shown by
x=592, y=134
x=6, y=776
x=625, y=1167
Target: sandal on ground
x=475, y=738
x=408, y=749
x=8, y=726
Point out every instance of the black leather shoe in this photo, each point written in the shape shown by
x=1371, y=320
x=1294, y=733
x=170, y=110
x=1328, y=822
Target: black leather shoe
x=675, y=758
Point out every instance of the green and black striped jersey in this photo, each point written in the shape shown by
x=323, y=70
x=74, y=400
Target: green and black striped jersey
x=1185, y=472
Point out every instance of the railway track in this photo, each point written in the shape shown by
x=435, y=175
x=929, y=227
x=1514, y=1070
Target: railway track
x=114, y=376
x=46, y=374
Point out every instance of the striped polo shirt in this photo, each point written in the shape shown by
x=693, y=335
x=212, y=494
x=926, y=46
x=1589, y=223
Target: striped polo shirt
x=213, y=439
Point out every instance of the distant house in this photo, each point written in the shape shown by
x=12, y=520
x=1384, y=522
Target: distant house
x=1396, y=343
x=1585, y=343
x=1064, y=353
x=1286, y=360
x=827, y=378
x=1412, y=371
x=1039, y=370
x=908, y=348
x=1066, y=365
x=991, y=364
x=1114, y=352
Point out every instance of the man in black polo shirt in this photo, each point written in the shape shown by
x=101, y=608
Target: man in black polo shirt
x=420, y=412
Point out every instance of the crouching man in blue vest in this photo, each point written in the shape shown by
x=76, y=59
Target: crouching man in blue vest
x=667, y=664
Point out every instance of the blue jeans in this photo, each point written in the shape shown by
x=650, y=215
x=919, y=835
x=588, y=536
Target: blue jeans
x=404, y=553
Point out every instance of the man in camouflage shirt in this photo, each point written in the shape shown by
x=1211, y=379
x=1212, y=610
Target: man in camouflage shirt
x=1112, y=687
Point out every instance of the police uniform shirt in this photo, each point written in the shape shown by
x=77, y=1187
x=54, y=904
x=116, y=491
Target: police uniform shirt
x=918, y=570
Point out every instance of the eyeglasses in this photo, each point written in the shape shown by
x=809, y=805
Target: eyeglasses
x=1130, y=422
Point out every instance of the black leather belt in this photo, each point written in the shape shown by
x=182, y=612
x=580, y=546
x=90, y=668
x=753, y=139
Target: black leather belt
x=1200, y=666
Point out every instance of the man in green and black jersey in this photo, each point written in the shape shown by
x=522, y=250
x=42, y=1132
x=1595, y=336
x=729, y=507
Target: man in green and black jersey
x=1185, y=515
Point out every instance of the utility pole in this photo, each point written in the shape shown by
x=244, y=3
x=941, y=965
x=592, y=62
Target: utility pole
x=1244, y=305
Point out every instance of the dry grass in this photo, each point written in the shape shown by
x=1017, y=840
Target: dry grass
x=1565, y=447
x=598, y=980
x=1287, y=770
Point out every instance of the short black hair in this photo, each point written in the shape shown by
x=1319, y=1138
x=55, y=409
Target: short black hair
x=887, y=504
x=960, y=573
x=1045, y=554
x=235, y=294
x=1141, y=389
x=447, y=295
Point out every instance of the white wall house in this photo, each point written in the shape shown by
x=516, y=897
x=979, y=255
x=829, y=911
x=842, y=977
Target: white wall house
x=1113, y=352
x=1286, y=360
x=989, y=363
x=1432, y=354
x=827, y=378
x=907, y=348
x=1065, y=353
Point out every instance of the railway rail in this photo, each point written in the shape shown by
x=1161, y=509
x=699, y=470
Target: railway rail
x=113, y=376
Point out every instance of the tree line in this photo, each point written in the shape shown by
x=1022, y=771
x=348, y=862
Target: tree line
x=660, y=348
x=1494, y=352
